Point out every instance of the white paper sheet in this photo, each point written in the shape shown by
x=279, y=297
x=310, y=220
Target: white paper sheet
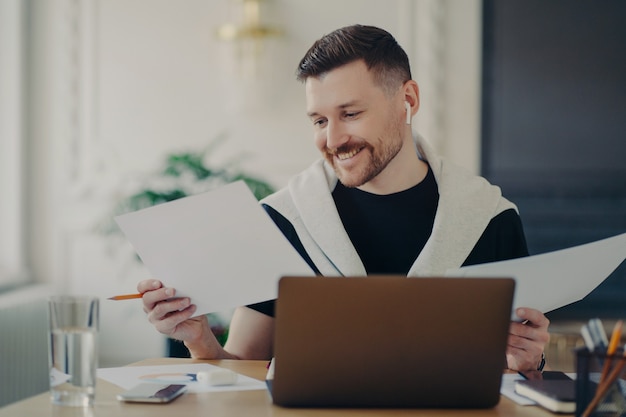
x=129, y=376
x=507, y=388
x=552, y=280
x=220, y=248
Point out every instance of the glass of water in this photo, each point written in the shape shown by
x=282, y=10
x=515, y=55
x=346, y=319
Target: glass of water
x=73, y=349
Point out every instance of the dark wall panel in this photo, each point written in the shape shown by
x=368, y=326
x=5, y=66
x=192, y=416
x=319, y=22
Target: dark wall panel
x=554, y=125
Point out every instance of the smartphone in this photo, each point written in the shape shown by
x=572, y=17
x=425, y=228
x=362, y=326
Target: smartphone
x=545, y=375
x=152, y=393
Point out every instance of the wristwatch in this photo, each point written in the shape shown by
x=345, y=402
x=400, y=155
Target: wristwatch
x=543, y=362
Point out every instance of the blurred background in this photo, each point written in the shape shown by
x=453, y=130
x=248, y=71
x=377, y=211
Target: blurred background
x=98, y=98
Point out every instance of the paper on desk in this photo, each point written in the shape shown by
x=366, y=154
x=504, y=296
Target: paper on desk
x=129, y=376
x=220, y=248
x=507, y=388
x=551, y=280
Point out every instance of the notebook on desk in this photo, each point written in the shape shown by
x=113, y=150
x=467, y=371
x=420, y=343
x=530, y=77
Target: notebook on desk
x=390, y=341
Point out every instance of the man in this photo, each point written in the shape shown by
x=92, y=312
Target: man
x=380, y=200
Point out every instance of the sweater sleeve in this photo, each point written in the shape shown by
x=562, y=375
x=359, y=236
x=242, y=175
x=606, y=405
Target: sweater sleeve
x=267, y=307
x=502, y=239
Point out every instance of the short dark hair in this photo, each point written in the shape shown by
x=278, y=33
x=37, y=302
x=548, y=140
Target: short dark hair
x=377, y=47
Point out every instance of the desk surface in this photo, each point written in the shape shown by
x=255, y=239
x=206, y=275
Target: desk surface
x=224, y=404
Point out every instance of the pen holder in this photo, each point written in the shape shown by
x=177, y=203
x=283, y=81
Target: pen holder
x=607, y=398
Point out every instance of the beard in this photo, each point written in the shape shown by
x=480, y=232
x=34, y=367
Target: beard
x=380, y=156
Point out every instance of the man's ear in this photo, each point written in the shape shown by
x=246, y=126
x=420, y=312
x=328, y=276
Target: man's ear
x=412, y=95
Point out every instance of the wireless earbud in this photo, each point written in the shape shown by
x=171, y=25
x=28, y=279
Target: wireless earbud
x=408, y=112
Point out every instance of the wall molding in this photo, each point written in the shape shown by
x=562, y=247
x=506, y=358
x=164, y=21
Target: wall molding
x=12, y=161
x=82, y=110
x=445, y=54
x=430, y=41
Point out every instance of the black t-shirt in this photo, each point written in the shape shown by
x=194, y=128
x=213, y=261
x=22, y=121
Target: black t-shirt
x=389, y=231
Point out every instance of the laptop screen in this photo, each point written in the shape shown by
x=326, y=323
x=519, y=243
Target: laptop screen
x=391, y=341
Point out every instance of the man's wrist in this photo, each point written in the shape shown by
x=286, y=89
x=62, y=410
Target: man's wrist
x=203, y=349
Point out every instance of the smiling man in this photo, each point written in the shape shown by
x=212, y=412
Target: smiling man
x=379, y=201
x=360, y=129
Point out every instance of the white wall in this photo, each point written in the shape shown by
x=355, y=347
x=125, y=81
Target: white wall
x=119, y=84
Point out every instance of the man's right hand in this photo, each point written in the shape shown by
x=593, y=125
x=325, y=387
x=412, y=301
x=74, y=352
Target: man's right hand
x=171, y=315
x=250, y=333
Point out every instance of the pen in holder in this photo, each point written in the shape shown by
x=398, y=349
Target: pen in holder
x=600, y=384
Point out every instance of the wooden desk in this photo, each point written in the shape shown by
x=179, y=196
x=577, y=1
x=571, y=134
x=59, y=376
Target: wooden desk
x=224, y=404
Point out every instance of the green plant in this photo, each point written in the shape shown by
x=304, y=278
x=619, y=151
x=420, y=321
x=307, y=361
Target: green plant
x=184, y=174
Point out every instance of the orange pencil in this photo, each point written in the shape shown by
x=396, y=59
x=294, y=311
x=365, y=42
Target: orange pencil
x=125, y=297
x=604, y=386
x=615, y=339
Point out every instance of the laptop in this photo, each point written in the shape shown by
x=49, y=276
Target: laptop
x=390, y=341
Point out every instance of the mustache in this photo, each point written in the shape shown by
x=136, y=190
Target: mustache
x=347, y=148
